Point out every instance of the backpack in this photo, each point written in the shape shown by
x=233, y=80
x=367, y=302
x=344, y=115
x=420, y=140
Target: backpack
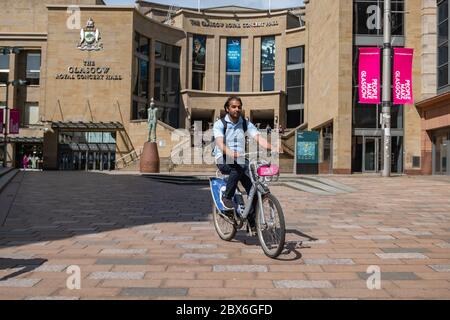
x=225, y=124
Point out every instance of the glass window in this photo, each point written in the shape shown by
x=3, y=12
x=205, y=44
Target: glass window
x=442, y=10
x=268, y=63
x=443, y=39
x=443, y=32
x=443, y=54
x=33, y=68
x=141, y=78
x=158, y=50
x=139, y=110
x=233, y=64
x=368, y=17
x=199, y=53
x=198, y=62
x=142, y=44
x=109, y=137
x=176, y=53
x=198, y=80
x=295, y=55
x=268, y=81
x=294, y=118
x=4, y=62
x=294, y=96
x=295, y=86
x=443, y=76
x=232, y=83
x=295, y=78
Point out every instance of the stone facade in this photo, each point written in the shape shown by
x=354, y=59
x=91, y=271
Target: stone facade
x=327, y=38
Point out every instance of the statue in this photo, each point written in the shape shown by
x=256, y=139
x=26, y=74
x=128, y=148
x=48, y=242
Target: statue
x=149, y=161
x=152, y=121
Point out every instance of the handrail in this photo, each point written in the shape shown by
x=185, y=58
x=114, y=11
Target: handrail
x=135, y=152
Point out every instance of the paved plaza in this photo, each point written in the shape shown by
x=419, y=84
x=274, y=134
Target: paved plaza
x=136, y=238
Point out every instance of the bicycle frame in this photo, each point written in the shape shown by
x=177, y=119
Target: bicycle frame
x=258, y=189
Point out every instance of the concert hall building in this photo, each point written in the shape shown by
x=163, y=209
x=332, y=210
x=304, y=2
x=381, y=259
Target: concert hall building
x=91, y=70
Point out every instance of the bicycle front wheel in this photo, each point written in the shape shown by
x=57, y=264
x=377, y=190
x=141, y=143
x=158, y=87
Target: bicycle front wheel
x=270, y=226
x=225, y=228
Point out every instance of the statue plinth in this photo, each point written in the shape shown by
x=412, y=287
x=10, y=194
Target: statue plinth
x=149, y=162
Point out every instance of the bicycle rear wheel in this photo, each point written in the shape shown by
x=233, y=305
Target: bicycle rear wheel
x=225, y=227
x=271, y=232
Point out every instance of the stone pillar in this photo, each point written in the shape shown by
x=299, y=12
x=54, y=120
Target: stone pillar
x=149, y=162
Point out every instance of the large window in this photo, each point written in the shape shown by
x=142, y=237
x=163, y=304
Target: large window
x=33, y=68
x=295, y=86
x=443, y=55
x=198, y=62
x=4, y=68
x=167, y=82
x=233, y=64
x=141, y=76
x=368, y=17
x=268, y=63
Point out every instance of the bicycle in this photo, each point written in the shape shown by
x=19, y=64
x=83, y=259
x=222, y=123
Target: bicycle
x=270, y=223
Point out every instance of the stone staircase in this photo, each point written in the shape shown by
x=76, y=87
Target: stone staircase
x=6, y=175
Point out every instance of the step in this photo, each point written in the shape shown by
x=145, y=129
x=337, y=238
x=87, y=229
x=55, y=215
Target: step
x=184, y=180
x=331, y=183
x=318, y=185
x=6, y=176
x=302, y=187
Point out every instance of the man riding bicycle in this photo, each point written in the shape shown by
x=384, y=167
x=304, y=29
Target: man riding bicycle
x=229, y=135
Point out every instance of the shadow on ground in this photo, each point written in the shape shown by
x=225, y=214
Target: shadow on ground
x=24, y=266
x=53, y=205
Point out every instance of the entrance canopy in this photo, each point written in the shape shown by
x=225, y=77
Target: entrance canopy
x=23, y=139
x=87, y=125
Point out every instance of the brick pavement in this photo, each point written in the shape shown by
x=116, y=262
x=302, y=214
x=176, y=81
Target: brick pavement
x=134, y=238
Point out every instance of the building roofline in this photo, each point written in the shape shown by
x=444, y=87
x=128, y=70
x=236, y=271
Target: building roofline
x=433, y=101
x=65, y=6
x=162, y=6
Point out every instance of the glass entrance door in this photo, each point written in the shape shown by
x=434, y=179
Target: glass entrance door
x=441, y=156
x=446, y=157
x=371, y=154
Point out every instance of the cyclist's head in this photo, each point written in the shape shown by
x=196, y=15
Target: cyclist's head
x=233, y=102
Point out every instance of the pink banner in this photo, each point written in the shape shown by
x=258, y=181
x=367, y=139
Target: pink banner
x=369, y=75
x=1, y=120
x=14, y=121
x=402, y=76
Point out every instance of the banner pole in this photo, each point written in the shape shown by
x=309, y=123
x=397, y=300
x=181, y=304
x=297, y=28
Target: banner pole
x=386, y=103
x=5, y=117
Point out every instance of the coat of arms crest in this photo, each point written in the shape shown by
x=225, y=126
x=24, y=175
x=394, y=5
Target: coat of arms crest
x=90, y=37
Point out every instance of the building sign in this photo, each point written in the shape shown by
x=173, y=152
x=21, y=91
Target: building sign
x=90, y=37
x=307, y=152
x=369, y=75
x=14, y=119
x=233, y=25
x=233, y=55
x=88, y=71
x=199, y=53
x=268, y=54
x=402, y=76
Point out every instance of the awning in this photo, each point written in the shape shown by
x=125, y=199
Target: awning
x=105, y=147
x=23, y=139
x=84, y=126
